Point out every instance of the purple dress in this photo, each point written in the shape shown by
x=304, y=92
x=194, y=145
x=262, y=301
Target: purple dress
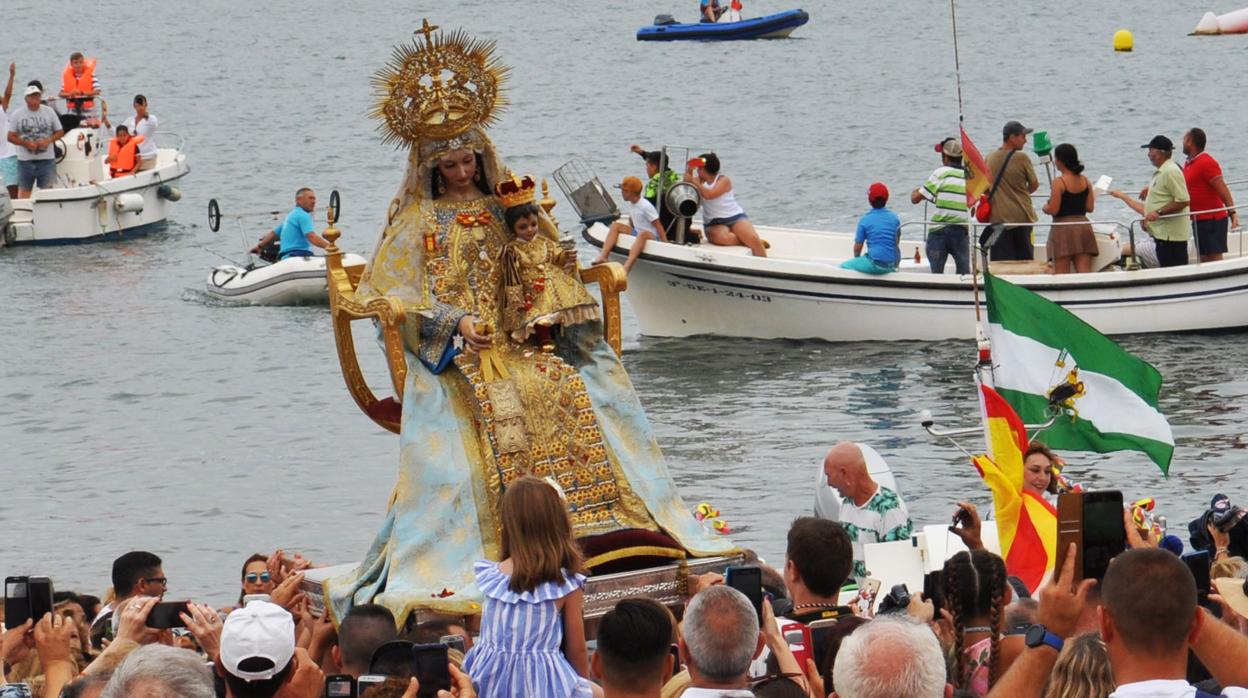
x=518, y=652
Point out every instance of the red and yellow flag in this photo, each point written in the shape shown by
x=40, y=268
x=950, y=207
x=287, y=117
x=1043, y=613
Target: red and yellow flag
x=978, y=176
x=1026, y=523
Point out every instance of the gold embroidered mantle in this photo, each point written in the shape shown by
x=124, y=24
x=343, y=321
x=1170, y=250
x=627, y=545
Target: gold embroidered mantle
x=535, y=416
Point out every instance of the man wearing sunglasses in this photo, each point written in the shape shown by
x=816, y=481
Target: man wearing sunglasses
x=135, y=574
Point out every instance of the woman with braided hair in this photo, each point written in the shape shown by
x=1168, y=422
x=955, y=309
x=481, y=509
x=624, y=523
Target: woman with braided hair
x=975, y=589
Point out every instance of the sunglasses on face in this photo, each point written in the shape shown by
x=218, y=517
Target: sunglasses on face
x=252, y=577
x=163, y=581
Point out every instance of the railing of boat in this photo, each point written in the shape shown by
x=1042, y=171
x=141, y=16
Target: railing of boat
x=934, y=225
x=1128, y=228
x=1186, y=214
x=928, y=223
x=163, y=137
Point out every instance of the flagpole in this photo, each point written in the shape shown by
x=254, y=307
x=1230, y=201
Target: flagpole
x=983, y=363
x=957, y=65
x=974, y=236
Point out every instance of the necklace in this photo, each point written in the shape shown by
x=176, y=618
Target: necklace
x=976, y=629
x=821, y=604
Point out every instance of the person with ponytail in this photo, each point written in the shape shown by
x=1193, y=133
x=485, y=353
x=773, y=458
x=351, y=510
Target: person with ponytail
x=1072, y=242
x=974, y=588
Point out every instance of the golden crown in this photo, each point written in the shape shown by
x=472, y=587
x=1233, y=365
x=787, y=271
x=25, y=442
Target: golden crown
x=516, y=191
x=438, y=88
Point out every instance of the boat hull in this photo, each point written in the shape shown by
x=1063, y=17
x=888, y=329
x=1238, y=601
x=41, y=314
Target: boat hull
x=90, y=213
x=292, y=281
x=776, y=26
x=701, y=290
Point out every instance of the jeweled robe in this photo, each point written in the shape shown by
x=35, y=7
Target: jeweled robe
x=474, y=421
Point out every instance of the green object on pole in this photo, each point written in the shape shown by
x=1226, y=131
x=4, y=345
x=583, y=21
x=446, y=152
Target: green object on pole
x=1041, y=143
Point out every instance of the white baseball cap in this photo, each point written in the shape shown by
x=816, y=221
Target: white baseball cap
x=258, y=630
x=33, y=90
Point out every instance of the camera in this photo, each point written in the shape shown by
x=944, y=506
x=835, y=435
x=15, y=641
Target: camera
x=1225, y=517
x=961, y=518
x=897, y=601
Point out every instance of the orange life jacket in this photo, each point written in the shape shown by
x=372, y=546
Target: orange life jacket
x=84, y=83
x=125, y=157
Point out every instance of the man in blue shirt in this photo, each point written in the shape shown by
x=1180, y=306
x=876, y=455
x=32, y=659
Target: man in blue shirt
x=297, y=234
x=879, y=228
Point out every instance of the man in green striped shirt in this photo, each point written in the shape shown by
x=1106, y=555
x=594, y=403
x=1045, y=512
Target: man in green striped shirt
x=946, y=189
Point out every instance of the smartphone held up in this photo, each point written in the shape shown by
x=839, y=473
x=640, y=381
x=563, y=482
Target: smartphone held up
x=1093, y=521
x=747, y=579
x=26, y=598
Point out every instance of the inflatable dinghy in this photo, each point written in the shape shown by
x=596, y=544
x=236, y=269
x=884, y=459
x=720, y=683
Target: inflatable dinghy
x=777, y=26
x=292, y=281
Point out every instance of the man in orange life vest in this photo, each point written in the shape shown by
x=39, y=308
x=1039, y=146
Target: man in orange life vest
x=123, y=158
x=78, y=83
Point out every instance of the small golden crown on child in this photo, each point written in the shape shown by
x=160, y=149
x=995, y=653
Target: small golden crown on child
x=516, y=191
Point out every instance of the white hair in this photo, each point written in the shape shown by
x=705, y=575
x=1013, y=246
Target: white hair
x=159, y=671
x=890, y=657
x=721, y=633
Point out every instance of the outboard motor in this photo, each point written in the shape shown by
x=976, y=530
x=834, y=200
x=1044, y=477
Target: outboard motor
x=271, y=252
x=684, y=200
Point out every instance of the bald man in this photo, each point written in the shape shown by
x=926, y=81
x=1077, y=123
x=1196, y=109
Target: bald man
x=870, y=512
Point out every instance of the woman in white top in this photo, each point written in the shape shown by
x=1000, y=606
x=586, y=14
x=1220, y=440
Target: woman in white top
x=724, y=219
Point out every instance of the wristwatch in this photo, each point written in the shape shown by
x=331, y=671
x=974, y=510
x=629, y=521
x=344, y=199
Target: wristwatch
x=1038, y=635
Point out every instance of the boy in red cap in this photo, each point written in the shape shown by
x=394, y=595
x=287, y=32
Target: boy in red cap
x=643, y=222
x=880, y=229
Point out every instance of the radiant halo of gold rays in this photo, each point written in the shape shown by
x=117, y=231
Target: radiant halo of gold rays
x=438, y=87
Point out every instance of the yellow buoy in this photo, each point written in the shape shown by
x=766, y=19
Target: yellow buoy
x=1123, y=41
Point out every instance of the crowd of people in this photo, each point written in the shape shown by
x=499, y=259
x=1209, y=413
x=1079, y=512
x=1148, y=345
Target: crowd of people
x=30, y=129
x=1145, y=629
x=1185, y=210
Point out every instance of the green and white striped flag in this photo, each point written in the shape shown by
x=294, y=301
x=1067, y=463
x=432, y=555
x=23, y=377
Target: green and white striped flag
x=1118, y=411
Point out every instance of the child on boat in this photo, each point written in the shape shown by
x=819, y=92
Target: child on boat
x=532, y=599
x=880, y=229
x=643, y=223
x=540, y=289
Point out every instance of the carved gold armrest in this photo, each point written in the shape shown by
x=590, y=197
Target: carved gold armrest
x=346, y=306
x=612, y=281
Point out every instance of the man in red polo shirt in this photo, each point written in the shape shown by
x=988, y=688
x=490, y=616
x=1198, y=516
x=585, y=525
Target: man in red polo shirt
x=1208, y=191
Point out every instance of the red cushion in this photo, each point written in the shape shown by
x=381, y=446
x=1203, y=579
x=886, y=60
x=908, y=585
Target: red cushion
x=632, y=543
x=387, y=410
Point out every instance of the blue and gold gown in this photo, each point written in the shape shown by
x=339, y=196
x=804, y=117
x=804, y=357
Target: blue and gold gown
x=474, y=421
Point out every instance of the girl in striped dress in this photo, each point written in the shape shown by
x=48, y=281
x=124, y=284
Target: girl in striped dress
x=533, y=602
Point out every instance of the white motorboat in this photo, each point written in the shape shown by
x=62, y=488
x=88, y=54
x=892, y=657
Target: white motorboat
x=291, y=281
x=87, y=204
x=800, y=291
